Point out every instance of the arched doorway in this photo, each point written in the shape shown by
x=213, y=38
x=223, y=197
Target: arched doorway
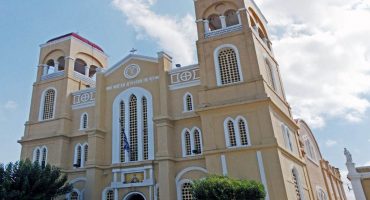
x=134, y=196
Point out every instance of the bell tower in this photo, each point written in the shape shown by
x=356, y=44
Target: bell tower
x=235, y=51
x=67, y=64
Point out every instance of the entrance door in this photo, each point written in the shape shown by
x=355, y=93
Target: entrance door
x=136, y=197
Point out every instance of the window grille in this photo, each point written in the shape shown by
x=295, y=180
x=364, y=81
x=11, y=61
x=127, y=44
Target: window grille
x=74, y=196
x=145, y=129
x=228, y=66
x=86, y=153
x=243, y=133
x=186, y=193
x=37, y=159
x=43, y=161
x=187, y=143
x=110, y=195
x=197, y=143
x=49, y=101
x=296, y=185
x=133, y=129
x=122, y=131
x=79, y=153
x=189, y=103
x=232, y=137
x=84, y=121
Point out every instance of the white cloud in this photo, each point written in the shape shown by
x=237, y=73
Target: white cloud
x=322, y=46
x=330, y=143
x=11, y=105
x=347, y=185
x=174, y=35
x=367, y=163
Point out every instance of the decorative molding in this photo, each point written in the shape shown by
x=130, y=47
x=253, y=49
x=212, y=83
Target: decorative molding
x=127, y=59
x=217, y=64
x=223, y=31
x=224, y=165
x=186, y=170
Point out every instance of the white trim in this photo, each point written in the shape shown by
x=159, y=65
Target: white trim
x=236, y=131
x=75, y=158
x=41, y=150
x=287, y=137
x=188, y=169
x=85, y=105
x=68, y=196
x=82, y=121
x=184, y=85
x=179, y=187
x=35, y=153
x=261, y=168
x=185, y=102
x=224, y=165
x=182, y=69
x=127, y=59
x=42, y=104
x=79, y=179
x=133, y=193
x=192, y=141
x=217, y=64
x=124, y=96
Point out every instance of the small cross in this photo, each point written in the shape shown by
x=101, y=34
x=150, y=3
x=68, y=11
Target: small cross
x=133, y=51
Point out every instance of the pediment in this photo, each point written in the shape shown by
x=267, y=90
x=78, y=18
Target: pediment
x=127, y=59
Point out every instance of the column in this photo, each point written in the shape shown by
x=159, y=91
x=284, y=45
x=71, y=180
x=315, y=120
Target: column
x=45, y=70
x=56, y=65
x=206, y=25
x=223, y=21
x=239, y=17
x=87, y=70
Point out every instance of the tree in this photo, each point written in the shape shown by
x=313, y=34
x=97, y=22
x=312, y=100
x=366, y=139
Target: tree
x=223, y=188
x=25, y=180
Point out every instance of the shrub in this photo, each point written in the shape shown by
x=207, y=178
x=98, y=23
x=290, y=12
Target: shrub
x=223, y=188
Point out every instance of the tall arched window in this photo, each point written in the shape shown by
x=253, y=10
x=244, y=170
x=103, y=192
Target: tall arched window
x=36, y=155
x=297, y=184
x=78, y=156
x=310, y=149
x=188, y=102
x=186, y=191
x=48, y=104
x=214, y=22
x=236, y=132
x=192, y=142
x=145, y=128
x=40, y=155
x=133, y=129
x=44, y=157
x=84, y=121
x=287, y=137
x=228, y=69
x=80, y=66
x=74, y=196
x=132, y=126
x=231, y=18
x=61, y=63
x=86, y=153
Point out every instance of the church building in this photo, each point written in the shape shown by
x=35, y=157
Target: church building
x=144, y=129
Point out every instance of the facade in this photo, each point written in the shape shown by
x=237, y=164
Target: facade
x=359, y=177
x=141, y=129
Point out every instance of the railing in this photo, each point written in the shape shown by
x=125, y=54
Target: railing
x=223, y=31
x=52, y=75
x=84, y=78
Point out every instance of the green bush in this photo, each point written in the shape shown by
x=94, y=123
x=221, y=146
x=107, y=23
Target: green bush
x=224, y=188
x=25, y=180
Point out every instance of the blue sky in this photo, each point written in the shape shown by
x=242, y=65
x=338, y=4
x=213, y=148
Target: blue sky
x=332, y=63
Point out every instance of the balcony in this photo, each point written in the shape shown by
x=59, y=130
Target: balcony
x=52, y=75
x=223, y=31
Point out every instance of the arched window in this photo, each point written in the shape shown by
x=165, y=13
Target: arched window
x=297, y=184
x=92, y=70
x=48, y=104
x=214, y=22
x=132, y=126
x=61, y=63
x=109, y=195
x=78, y=156
x=145, y=128
x=84, y=121
x=310, y=149
x=321, y=194
x=51, y=66
x=287, y=137
x=133, y=129
x=188, y=102
x=236, y=132
x=36, y=155
x=86, y=153
x=74, y=196
x=44, y=157
x=270, y=74
x=243, y=132
x=186, y=191
x=231, y=18
x=187, y=143
x=80, y=66
x=192, y=142
x=228, y=70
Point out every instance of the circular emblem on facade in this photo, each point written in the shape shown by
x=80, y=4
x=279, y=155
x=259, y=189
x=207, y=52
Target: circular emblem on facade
x=132, y=71
x=185, y=76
